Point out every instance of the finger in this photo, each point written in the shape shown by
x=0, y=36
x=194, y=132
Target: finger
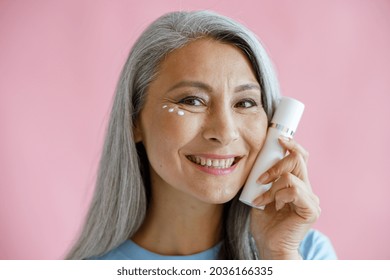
x=293, y=163
x=293, y=191
x=287, y=180
x=302, y=203
x=292, y=146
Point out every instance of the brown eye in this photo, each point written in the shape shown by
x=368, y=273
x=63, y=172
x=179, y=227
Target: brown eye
x=192, y=101
x=245, y=103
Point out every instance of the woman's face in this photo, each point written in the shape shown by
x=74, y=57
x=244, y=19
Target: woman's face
x=203, y=123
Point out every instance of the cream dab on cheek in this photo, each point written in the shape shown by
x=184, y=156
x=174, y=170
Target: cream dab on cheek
x=172, y=109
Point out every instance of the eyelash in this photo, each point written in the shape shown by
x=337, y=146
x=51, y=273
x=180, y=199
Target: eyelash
x=253, y=103
x=185, y=100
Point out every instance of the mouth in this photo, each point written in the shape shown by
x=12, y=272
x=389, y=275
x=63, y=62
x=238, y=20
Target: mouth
x=214, y=163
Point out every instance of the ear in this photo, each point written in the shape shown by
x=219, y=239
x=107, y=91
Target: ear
x=137, y=132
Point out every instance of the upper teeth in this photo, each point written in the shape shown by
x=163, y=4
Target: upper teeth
x=214, y=163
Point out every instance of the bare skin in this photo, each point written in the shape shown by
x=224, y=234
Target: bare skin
x=224, y=125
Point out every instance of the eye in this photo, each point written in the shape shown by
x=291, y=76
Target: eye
x=192, y=101
x=246, y=103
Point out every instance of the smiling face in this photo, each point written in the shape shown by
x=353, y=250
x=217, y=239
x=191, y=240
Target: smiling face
x=203, y=123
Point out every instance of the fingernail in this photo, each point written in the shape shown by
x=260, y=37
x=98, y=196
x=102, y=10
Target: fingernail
x=258, y=201
x=284, y=138
x=263, y=178
x=279, y=205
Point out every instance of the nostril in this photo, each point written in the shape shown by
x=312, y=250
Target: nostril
x=221, y=135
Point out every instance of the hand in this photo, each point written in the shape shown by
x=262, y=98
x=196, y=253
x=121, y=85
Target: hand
x=291, y=207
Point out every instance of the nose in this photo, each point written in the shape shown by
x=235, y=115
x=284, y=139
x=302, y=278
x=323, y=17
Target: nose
x=221, y=127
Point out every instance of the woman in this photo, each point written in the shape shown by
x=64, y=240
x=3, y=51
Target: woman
x=190, y=115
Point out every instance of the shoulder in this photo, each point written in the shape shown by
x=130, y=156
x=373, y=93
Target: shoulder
x=317, y=246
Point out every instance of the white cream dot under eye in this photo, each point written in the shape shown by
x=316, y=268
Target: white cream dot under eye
x=170, y=110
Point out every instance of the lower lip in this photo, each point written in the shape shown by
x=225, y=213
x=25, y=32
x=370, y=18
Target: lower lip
x=215, y=171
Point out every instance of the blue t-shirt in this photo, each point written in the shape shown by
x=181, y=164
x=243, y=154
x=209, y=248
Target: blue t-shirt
x=315, y=246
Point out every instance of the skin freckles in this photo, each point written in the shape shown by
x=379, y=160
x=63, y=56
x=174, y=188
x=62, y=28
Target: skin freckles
x=214, y=85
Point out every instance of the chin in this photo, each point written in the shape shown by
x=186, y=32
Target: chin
x=218, y=196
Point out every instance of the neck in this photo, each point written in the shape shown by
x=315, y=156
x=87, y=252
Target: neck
x=179, y=224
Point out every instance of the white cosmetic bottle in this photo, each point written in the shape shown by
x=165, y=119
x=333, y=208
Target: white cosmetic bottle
x=284, y=123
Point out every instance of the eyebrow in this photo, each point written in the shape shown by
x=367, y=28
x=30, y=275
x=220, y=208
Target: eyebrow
x=206, y=87
x=194, y=84
x=245, y=87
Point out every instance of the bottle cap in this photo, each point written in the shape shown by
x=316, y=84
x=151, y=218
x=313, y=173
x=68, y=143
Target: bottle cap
x=288, y=113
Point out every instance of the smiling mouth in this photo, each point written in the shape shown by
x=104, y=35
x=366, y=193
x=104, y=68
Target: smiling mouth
x=214, y=163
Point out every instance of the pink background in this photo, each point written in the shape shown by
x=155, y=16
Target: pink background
x=59, y=63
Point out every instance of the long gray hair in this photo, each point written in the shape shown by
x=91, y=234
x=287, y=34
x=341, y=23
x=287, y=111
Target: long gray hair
x=122, y=188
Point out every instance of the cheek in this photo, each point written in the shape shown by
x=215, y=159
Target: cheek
x=255, y=134
x=177, y=126
x=165, y=134
x=169, y=129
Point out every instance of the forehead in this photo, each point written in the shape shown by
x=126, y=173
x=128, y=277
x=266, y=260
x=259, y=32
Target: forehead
x=205, y=58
